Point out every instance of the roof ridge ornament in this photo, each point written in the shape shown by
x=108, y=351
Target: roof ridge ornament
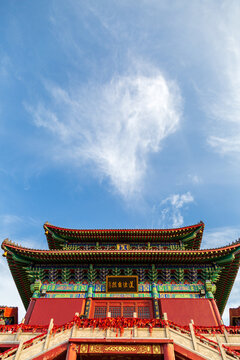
x=7, y=241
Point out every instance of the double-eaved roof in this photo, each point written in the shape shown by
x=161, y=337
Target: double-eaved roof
x=228, y=257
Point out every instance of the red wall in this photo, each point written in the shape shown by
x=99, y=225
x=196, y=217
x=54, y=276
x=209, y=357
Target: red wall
x=203, y=312
x=40, y=311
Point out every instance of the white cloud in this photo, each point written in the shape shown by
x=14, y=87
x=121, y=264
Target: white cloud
x=114, y=126
x=9, y=219
x=172, y=207
x=222, y=97
x=227, y=145
x=218, y=237
x=178, y=200
x=14, y=226
x=195, y=179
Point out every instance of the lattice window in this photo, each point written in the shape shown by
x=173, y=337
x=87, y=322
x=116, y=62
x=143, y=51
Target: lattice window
x=128, y=311
x=144, y=312
x=115, y=311
x=124, y=309
x=100, y=312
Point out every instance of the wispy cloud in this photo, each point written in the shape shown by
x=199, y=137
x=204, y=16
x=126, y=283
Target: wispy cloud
x=9, y=219
x=222, y=97
x=229, y=144
x=14, y=226
x=195, y=179
x=113, y=126
x=220, y=236
x=171, y=210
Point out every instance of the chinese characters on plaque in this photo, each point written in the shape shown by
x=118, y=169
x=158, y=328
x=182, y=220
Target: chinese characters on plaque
x=122, y=284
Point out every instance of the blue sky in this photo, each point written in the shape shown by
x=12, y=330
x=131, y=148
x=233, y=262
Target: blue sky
x=119, y=114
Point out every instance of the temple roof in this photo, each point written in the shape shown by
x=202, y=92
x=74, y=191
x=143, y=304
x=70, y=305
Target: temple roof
x=190, y=236
x=227, y=257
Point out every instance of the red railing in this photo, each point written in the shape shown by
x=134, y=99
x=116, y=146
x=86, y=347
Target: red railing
x=118, y=325
x=120, y=322
x=25, y=328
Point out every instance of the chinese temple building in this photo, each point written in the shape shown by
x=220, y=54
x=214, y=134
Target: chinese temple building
x=122, y=294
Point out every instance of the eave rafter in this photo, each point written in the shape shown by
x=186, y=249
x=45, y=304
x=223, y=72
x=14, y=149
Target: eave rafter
x=220, y=255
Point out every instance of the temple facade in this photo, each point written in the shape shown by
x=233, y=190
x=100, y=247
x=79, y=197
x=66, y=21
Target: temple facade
x=122, y=294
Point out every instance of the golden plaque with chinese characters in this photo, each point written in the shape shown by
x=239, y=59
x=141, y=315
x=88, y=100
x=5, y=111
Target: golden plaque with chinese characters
x=122, y=284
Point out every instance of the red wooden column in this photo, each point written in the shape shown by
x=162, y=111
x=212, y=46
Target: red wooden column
x=168, y=350
x=72, y=352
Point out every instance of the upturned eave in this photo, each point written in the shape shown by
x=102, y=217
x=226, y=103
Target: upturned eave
x=190, y=236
